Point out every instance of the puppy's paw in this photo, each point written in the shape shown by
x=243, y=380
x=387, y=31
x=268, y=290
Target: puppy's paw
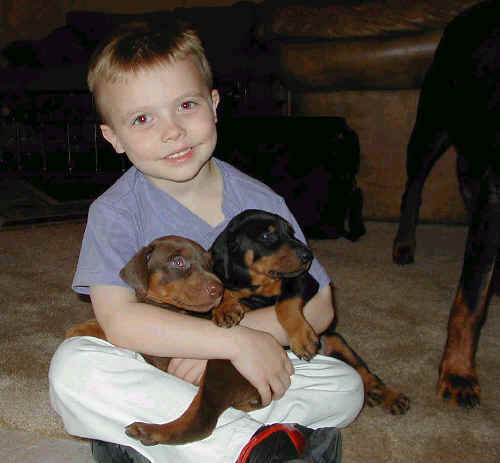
x=227, y=316
x=144, y=432
x=397, y=403
x=304, y=344
x=376, y=393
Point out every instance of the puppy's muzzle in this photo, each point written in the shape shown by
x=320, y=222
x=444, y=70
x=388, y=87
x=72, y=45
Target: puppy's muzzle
x=214, y=289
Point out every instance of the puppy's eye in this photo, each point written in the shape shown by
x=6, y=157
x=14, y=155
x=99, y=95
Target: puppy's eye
x=268, y=236
x=178, y=262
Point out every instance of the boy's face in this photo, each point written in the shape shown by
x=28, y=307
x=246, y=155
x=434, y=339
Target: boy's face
x=163, y=119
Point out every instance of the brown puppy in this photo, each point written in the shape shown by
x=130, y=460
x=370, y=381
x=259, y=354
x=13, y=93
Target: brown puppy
x=171, y=272
x=175, y=273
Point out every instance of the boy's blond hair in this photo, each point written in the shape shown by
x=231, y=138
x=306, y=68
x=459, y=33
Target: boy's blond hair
x=142, y=46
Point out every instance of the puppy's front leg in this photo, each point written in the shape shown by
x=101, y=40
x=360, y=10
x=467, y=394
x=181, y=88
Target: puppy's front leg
x=302, y=338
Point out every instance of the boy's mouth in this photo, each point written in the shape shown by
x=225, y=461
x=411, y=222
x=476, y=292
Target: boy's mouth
x=179, y=155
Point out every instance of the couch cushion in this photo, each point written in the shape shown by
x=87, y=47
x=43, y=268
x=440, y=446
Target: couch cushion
x=357, y=45
x=373, y=63
x=333, y=19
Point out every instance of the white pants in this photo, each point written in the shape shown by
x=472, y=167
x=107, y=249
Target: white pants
x=98, y=389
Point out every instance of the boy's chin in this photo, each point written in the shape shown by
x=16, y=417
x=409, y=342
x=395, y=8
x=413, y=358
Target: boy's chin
x=179, y=174
x=160, y=180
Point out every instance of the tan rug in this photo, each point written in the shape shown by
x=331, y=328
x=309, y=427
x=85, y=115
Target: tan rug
x=394, y=316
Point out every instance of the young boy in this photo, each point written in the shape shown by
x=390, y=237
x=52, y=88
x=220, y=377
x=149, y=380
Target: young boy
x=153, y=90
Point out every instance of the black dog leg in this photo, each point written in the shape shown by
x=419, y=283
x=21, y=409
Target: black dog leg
x=428, y=141
x=458, y=381
x=355, y=216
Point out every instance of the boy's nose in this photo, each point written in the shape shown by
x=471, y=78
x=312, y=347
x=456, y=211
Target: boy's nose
x=172, y=131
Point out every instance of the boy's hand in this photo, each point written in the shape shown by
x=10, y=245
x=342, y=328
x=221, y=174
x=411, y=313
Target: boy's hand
x=190, y=370
x=263, y=362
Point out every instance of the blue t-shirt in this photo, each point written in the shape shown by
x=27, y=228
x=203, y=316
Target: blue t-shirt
x=133, y=212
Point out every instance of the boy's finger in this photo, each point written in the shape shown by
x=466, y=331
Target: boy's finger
x=265, y=395
x=281, y=386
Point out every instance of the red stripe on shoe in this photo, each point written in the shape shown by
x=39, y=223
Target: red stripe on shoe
x=297, y=438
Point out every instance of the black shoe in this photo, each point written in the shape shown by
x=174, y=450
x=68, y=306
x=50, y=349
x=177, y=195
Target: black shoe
x=324, y=445
x=106, y=452
x=292, y=443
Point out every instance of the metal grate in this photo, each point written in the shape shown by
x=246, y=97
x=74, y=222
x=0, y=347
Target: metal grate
x=55, y=134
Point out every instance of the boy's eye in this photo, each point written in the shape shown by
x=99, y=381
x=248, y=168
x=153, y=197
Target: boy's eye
x=141, y=119
x=188, y=105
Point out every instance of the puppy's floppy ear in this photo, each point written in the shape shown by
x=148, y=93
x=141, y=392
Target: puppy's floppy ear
x=220, y=256
x=136, y=272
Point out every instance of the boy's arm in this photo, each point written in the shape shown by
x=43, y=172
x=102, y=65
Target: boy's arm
x=155, y=331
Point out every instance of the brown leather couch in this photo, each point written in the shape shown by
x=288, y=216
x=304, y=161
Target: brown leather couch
x=365, y=60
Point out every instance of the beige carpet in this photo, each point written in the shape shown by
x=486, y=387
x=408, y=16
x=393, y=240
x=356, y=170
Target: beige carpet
x=394, y=316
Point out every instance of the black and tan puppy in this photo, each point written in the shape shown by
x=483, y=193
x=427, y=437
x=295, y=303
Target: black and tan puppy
x=460, y=106
x=261, y=263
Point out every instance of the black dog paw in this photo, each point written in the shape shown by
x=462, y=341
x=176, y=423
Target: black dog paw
x=403, y=253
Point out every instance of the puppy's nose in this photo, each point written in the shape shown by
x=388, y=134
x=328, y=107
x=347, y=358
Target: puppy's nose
x=214, y=288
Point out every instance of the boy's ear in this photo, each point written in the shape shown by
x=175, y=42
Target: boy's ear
x=109, y=134
x=215, y=102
